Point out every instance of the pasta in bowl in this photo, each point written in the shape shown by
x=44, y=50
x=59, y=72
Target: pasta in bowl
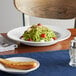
x=58, y=34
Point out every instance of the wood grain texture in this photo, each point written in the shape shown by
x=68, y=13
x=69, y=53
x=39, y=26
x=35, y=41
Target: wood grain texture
x=63, y=45
x=58, y=9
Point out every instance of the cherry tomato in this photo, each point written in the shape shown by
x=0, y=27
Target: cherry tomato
x=21, y=37
x=39, y=24
x=54, y=38
x=43, y=35
x=29, y=39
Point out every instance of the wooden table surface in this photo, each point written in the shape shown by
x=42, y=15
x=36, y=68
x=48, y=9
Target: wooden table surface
x=62, y=45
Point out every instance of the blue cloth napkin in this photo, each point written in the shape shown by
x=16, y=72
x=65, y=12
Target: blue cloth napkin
x=54, y=63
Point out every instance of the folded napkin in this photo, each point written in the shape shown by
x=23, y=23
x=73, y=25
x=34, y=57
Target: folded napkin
x=7, y=44
x=54, y=63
